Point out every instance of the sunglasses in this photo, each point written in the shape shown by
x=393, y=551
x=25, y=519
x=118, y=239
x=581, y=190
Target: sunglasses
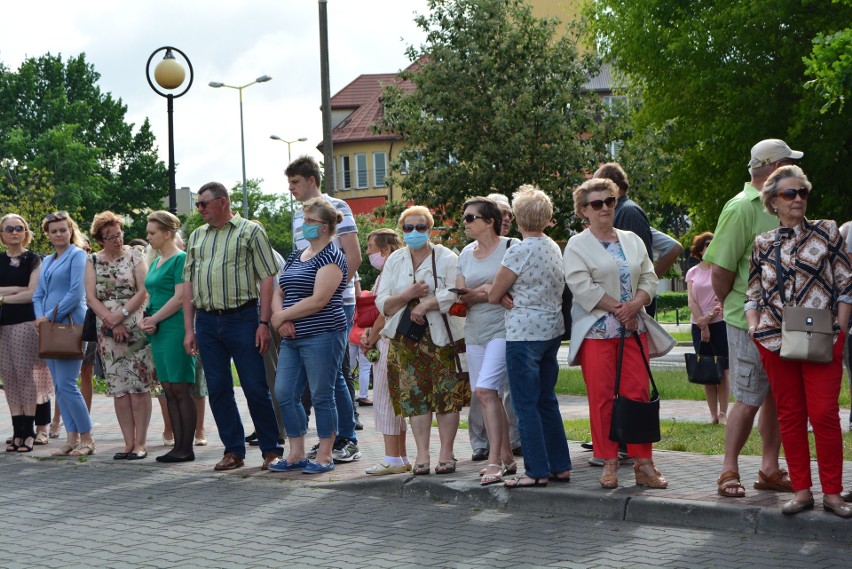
x=57, y=216
x=791, y=194
x=14, y=228
x=470, y=218
x=201, y=204
x=408, y=228
x=597, y=205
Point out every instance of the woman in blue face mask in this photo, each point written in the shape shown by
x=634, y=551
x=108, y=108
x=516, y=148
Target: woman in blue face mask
x=415, y=291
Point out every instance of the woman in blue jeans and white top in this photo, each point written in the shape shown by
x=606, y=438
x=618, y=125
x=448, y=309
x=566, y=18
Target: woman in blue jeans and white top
x=485, y=329
x=60, y=287
x=308, y=314
x=529, y=284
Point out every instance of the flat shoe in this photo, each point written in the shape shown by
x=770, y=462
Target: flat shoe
x=730, y=480
x=516, y=482
x=168, y=442
x=794, y=506
x=40, y=438
x=202, y=442
x=120, y=456
x=446, y=467
x=421, y=469
x=284, y=466
x=137, y=455
x=561, y=479
x=318, y=467
x=842, y=510
x=382, y=467
x=168, y=458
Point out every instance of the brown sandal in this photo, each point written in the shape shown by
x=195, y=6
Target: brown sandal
x=609, y=480
x=775, y=482
x=657, y=480
x=730, y=480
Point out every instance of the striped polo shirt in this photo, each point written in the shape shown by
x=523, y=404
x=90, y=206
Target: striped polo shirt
x=225, y=264
x=297, y=282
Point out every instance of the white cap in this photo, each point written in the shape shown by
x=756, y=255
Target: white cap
x=771, y=150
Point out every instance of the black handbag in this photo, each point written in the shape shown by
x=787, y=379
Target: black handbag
x=634, y=422
x=703, y=369
x=408, y=327
x=90, y=322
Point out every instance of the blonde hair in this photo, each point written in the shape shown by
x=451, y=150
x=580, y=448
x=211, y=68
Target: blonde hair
x=324, y=211
x=385, y=238
x=417, y=210
x=167, y=222
x=532, y=207
x=28, y=234
x=104, y=219
x=581, y=192
x=77, y=237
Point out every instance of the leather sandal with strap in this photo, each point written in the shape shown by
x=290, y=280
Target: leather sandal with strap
x=657, y=480
x=609, y=480
x=728, y=481
x=779, y=481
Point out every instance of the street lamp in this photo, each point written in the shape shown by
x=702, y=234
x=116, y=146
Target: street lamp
x=216, y=85
x=289, y=160
x=169, y=74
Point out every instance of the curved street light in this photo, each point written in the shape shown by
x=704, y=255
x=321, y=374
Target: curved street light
x=169, y=74
x=289, y=160
x=217, y=85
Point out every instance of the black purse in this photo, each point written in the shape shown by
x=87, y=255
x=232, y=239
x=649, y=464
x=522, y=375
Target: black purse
x=703, y=369
x=634, y=422
x=409, y=328
x=90, y=322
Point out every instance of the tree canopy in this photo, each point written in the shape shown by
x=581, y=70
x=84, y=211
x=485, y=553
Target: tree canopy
x=721, y=75
x=498, y=102
x=55, y=120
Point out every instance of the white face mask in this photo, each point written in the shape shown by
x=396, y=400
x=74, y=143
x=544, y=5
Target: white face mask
x=377, y=261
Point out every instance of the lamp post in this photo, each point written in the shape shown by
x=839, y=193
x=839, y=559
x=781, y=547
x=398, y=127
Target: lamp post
x=170, y=74
x=289, y=160
x=216, y=85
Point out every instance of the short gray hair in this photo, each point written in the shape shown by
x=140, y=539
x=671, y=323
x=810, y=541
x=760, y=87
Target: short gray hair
x=770, y=187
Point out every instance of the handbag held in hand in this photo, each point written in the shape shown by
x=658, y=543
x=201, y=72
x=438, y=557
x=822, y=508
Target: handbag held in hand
x=703, y=369
x=60, y=341
x=634, y=422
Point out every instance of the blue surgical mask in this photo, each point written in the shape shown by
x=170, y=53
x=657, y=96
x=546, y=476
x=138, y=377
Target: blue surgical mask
x=310, y=231
x=415, y=239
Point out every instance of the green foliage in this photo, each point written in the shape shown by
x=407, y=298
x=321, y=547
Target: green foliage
x=719, y=77
x=498, y=103
x=30, y=195
x=831, y=65
x=55, y=119
x=671, y=300
x=366, y=224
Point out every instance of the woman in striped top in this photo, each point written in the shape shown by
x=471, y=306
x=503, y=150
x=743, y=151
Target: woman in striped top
x=308, y=313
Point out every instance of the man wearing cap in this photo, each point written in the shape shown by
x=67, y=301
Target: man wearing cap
x=742, y=218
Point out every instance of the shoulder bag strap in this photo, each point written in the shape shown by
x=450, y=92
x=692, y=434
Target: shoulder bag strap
x=444, y=316
x=779, y=270
x=618, y=361
x=654, y=393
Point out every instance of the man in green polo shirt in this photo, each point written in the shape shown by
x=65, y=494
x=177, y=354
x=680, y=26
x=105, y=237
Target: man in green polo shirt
x=742, y=218
x=226, y=316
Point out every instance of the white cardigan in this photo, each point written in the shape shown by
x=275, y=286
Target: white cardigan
x=397, y=276
x=591, y=272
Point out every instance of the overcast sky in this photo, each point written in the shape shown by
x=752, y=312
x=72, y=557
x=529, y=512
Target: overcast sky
x=229, y=41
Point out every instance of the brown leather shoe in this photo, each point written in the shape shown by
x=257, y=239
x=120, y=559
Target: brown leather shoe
x=229, y=462
x=270, y=458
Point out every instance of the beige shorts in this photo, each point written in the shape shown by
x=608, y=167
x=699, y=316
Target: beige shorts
x=749, y=381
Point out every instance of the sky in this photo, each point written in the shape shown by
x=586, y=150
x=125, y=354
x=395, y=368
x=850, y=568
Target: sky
x=230, y=41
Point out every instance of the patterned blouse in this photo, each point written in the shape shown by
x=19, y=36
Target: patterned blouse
x=817, y=274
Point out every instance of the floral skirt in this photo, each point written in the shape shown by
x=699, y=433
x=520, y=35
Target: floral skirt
x=422, y=378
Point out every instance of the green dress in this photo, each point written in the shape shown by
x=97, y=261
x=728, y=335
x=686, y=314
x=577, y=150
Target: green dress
x=171, y=361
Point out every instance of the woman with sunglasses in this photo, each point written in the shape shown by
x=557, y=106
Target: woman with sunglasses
x=26, y=377
x=115, y=288
x=60, y=296
x=709, y=336
x=422, y=380
x=485, y=329
x=612, y=279
x=816, y=274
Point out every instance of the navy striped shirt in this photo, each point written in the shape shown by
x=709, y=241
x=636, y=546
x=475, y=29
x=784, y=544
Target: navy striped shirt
x=297, y=282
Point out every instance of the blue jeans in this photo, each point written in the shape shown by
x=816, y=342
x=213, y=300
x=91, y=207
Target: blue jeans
x=345, y=407
x=532, y=379
x=68, y=396
x=219, y=339
x=315, y=361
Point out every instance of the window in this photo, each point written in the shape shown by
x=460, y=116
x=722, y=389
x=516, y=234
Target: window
x=379, y=169
x=360, y=170
x=345, y=173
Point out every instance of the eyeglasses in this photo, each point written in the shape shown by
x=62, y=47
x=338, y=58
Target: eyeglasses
x=14, y=228
x=598, y=204
x=310, y=221
x=201, y=204
x=118, y=235
x=57, y=216
x=791, y=194
x=408, y=228
x=470, y=218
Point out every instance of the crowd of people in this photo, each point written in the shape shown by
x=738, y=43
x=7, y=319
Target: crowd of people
x=165, y=317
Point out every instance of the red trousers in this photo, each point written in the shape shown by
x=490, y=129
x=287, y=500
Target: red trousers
x=803, y=391
x=597, y=360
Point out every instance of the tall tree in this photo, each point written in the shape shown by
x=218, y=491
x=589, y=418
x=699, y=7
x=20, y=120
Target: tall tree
x=722, y=75
x=498, y=102
x=54, y=118
x=29, y=195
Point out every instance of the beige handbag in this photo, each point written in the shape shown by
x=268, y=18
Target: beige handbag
x=60, y=341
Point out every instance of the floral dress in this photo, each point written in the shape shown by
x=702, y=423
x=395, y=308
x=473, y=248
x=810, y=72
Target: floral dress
x=128, y=366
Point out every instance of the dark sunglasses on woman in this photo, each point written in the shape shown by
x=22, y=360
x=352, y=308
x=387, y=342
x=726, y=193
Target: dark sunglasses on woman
x=13, y=228
x=597, y=205
x=408, y=228
x=791, y=194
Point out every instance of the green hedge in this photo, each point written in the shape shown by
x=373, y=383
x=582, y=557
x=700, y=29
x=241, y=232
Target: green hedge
x=671, y=300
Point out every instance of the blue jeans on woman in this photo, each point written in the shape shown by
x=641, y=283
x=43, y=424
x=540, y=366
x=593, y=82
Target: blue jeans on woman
x=313, y=361
x=533, y=371
x=72, y=406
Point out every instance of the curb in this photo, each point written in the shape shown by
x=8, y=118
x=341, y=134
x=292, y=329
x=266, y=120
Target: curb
x=618, y=506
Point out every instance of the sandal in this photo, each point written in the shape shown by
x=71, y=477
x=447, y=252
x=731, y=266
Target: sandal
x=83, y=449
x=609, y=480
x=489, y=477
x=446, y=467
x=53, y=434
x=729, y=486
x=24, y=447
x=516, y=482
x=775, y=482
x=656, y=480
x=561, y=479
x=64, y=450
x=12, y=446
x=420, y=469
x=511, y=468
x=40, y=438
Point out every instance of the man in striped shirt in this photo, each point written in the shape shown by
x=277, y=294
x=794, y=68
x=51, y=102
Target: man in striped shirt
x=225, y=261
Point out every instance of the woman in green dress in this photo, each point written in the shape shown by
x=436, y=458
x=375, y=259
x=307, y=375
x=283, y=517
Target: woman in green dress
x=164, y=323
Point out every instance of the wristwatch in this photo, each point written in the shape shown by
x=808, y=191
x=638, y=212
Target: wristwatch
x=266, y=322
x=125, y=312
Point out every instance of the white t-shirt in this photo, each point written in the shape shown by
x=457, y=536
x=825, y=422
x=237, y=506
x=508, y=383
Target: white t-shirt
x=344, y=227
